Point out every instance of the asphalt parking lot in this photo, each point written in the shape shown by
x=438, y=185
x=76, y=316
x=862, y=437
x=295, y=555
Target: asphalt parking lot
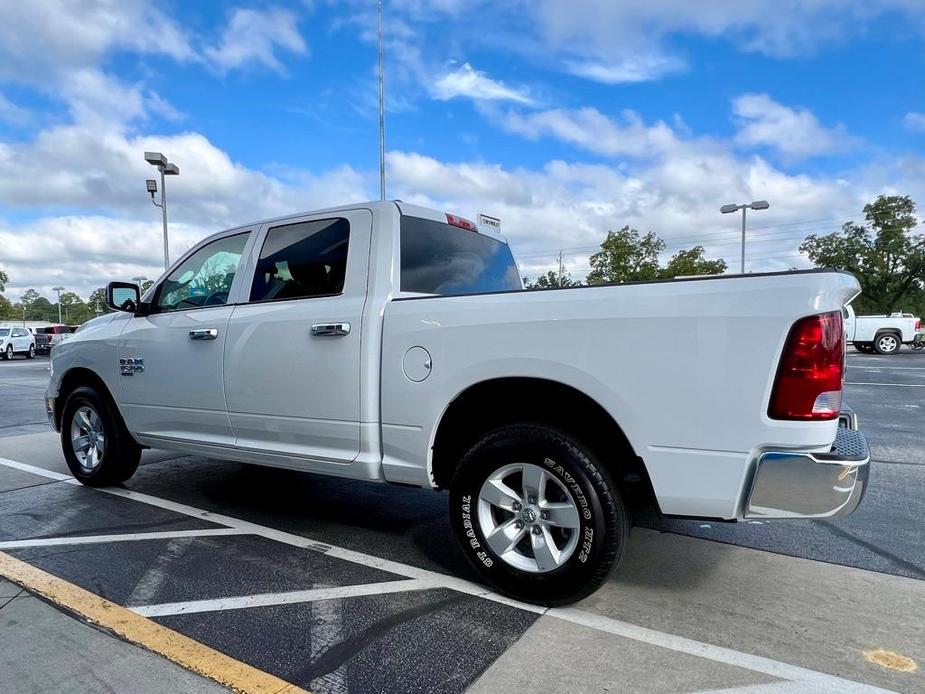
x=291, y=581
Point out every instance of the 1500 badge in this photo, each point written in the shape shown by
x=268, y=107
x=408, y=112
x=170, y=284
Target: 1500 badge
x=129, y=366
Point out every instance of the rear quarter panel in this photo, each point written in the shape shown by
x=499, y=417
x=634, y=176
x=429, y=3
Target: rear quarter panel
x=685, y=368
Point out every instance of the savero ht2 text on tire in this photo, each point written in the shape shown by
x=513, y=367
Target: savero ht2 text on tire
x=537, y=515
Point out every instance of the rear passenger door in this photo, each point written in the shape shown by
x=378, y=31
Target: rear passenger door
x=292, y=358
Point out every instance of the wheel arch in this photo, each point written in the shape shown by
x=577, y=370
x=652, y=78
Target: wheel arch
x=495, y=402
x=75, y=378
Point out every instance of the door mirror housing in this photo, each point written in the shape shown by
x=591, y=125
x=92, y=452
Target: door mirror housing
x=123, y=296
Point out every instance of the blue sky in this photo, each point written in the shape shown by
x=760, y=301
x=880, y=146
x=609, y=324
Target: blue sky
x=565, y=119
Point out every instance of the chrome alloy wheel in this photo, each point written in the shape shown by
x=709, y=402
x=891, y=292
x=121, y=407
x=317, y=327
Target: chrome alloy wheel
x=528, y=518
x=87, y=437
x=888, y=343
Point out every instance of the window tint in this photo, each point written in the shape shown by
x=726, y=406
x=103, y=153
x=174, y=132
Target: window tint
x=4, y=332
x=437, y=258
x=302, y=260
x=203, y=279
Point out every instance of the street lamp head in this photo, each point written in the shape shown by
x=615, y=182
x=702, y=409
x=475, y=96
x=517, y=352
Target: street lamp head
x=57, y=289
x=151, y=185
x=760, y=205
x=726, y=209
x=171, y=170
x=155, y=159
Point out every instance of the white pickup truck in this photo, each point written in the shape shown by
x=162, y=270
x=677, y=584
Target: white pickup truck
x=881, y=334
x=392, y=343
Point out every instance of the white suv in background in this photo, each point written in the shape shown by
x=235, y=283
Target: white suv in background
x=16, y=341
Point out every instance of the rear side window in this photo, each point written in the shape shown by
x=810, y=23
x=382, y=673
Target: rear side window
x=437, y=258
x=302, y=260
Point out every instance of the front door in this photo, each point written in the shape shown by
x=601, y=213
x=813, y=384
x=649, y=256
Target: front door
x=171, y=360
x=292, y=358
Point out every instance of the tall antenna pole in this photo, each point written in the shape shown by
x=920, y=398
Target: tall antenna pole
x=381, y=110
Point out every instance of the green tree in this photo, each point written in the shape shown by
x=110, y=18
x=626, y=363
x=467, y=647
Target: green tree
x=884, y=253
x=4, y=278
x=625, y=256
x=6, y=308
x=42, y=309
x=551, y=279
x=74, y=310
x=692, y=262
x=97, y=302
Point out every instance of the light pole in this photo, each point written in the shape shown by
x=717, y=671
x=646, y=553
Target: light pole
x=138, y=280
x=732, y=207
x=167, y=169
x=381, y=107
x=59, y=290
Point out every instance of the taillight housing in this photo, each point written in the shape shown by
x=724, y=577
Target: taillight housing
x=918, y=325
x=811, y=372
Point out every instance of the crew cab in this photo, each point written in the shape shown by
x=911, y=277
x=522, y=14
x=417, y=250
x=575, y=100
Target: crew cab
x=391, y=343
x=881, y=334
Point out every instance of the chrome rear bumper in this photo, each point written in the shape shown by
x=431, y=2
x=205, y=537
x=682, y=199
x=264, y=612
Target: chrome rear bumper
x=795, y=484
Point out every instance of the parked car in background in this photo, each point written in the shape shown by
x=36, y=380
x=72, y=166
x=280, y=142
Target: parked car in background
x=46, y=338
x=881, y=334
x=15, y=340
x=387, y=342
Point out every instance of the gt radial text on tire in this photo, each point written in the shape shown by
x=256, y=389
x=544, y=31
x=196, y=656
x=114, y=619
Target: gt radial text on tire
x=98, y=449
x=537, y=515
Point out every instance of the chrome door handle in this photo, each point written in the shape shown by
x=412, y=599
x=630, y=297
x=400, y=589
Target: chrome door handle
x=330, y=329
x=203, y=334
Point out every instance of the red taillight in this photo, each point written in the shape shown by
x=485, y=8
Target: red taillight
x=918, y=325
x=809, y=379
x=455, y=221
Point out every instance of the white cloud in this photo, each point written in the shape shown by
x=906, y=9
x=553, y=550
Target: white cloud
x=795, y=133
x=11, y=113
x=593, y=131
x=468, y=82
x=39, y=41
x=915, y=121
x=628, y=70
x=253, y=37
x=607, y=29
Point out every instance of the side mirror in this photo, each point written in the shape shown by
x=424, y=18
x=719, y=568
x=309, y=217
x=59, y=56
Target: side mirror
x=123, y=296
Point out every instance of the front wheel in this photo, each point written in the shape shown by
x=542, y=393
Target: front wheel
x=98, y=449
x=8, y=355
x=888, y=343
x=537, y=515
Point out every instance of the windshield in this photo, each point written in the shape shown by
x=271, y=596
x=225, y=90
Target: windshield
x=438, y=258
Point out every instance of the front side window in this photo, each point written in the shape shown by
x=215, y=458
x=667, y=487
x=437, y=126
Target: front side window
x=302, y=260
x=18, y=332
x=203, y=279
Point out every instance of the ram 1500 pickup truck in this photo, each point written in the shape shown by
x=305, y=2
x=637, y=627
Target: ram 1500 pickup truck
x=391, y=343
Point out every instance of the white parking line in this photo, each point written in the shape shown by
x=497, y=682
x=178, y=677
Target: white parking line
x=296, y=596
x=895, y=385
x=804, y=679
x=129, y=537
x=891, y=368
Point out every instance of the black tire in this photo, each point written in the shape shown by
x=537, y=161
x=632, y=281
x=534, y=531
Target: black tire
x=8, y=354
x=31, y=353
x=887, y=343
x=603, y=521
x=121, y=454
x=864, y=347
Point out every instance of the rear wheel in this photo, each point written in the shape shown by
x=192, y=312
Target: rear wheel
x=31, y=353
x=887, y=343
x=537, y=515
x=97, y=447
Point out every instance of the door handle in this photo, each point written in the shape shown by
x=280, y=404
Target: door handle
x=330, y=329
x=203, y=334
